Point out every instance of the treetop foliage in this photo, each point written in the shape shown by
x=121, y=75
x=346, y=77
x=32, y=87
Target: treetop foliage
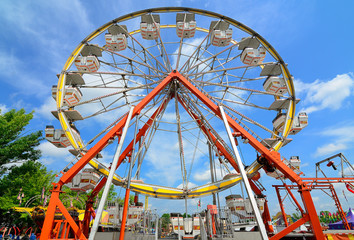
x=16, y=146
x=30, y=177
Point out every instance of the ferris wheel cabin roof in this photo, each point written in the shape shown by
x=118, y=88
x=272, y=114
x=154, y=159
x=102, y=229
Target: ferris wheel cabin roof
x=75, y=79
x=117, y=29
x=271, y=70
x=248, y=42
x=185, y=17
x=219, y=25
x=281, y=104
x=90, y=49
x=150, y=18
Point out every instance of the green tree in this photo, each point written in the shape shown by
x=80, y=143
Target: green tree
x=15, y=145
x=112, y=194
x=77, y=199
x=30, y=177
x=165, y=221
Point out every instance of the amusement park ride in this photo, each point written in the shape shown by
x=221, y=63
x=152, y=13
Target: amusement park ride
x=182, y=72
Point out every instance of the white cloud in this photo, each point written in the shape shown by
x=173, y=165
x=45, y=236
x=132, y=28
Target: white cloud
x=12, y=72
x=202, y=176
x=3, y=108
x=305, y=165
x=42, y=38
x=188, y=49
x=45, y=109
x=348, y=171
x=341, y=139
x=51, y=154
x=330, y=148
x=321, y=95
x=205, y=175
x=189, y=185
x=49, y=150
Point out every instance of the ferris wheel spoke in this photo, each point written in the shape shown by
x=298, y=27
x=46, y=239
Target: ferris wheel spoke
x=106, y=96
x=229, y=69
x=180, y=46
x=202, y=121
x=131, y=60
x=101, y=111
x=227, y=60
x=197, y=51
x=240, y=120
x=243, y=102
x=200, y=56
x=211, y=57
x=191, y=56
x=119, y=74
x=147, y=51
x=227, y=85
x=163, y=52
x=146, y=60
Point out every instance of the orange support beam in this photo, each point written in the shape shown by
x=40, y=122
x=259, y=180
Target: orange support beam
x=49, y=217
x=221, y=148
x=311, y=211
x=272, y=156
x=67, y=176
x=125, y=211
x=291, y=228
x=127, y=150
x=113, y=132
x=280, y=200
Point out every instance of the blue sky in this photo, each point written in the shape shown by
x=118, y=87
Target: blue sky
x=313, y=37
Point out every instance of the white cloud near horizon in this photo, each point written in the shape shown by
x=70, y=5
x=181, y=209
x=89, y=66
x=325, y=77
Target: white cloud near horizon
x=3, y=108
x=52, y=154
x=321, y=95
x=342, y=138
x=45, y=109
x=42, y=29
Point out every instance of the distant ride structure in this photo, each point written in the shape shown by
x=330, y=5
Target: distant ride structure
x=174, y=68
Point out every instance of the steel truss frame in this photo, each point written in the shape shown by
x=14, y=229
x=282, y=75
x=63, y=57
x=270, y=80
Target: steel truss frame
x=314, y=183
x=81, y=231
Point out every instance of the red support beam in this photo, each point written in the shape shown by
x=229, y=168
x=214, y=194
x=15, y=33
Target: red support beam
x=124, y=216
x=87, y=217
x=113, y=132
x=67, y=176
x=282, y=207
x=272, y=156
x=49, y=217
x=266, y=217
x=293, y=197
x=126, y=151
x=209, y=134
x=291, y=228
x=311, y=211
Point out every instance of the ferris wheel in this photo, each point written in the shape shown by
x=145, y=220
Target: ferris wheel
x=196, y=59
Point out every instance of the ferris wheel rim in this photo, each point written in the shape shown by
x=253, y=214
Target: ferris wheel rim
x=78, y=143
